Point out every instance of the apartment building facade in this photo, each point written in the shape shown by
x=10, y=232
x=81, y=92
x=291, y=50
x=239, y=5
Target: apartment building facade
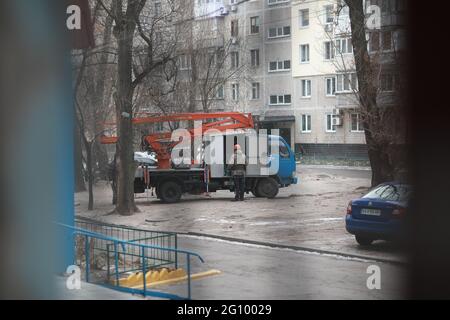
x=298, y=72
x=260, y=33
x=324, y=80
x=324, y=74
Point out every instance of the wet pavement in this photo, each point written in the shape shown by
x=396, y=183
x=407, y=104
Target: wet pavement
x=258, y=272
x=310, y=214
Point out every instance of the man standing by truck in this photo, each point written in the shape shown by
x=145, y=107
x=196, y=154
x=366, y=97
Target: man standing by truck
x=237, y=167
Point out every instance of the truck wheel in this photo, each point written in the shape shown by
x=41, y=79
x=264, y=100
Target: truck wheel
x=267, y=188
x=255, y=193
x=170, y=192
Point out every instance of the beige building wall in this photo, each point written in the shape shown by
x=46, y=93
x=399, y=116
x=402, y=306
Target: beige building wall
x=317, y=70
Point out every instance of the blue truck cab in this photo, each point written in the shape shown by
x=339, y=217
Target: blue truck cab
x=287, y=172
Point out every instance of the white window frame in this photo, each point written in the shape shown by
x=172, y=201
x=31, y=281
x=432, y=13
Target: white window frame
x=301, y=20
x=275, y=2
x=339, y=45
x=234, y=59
x=256, y=88
x=333, y=128
x=325, y=9
x=257, y=24
x=341, y=80
x=306, y=88
x=281, y=100
x=329, y=50
x=333, y=83
x=279, y=34
x=220, y=92
x=257, y=58
x=278, y=63
x=307, y=51
x=185, y=62
x=306, y=120
x=235, y=91
x=359, y=125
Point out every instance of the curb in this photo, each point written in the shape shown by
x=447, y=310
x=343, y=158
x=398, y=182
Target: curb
x=297, y=248
x=320, y=166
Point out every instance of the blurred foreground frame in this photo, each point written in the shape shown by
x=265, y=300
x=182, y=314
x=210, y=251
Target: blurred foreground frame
x=37, y=145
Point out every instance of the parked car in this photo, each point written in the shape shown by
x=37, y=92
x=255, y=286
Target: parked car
x=380, y=214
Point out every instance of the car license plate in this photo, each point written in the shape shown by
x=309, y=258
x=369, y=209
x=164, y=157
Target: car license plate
x=371, y=212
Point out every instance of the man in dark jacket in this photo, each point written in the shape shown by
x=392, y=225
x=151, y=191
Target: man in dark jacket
x=238, y=169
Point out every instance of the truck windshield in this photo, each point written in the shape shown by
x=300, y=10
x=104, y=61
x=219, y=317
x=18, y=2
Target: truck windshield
x=283, y=149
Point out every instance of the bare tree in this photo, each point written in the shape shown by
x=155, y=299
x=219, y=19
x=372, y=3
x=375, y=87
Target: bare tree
x=92, y=106
x=382, y=117
x=136, y=28
x=211, y=56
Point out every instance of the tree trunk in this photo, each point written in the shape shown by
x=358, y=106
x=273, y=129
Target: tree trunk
x=80, y=185
x=90, y=173
x=101, y=101
x=125, y=30
x=382, y=170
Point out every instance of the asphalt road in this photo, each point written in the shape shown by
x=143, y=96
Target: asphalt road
x=310, y=214
x=256, y=272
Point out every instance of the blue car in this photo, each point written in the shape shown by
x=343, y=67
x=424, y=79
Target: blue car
x=380, y=214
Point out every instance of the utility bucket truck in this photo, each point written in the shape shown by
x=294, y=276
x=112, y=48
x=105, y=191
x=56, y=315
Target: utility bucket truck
x=196, y=161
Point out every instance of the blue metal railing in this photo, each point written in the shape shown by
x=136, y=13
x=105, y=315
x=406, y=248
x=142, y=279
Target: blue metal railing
x=124, y=247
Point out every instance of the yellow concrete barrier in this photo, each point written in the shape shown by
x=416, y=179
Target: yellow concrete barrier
x=161, y=277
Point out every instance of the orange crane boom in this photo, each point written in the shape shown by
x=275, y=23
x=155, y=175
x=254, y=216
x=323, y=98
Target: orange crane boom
x=161, y=144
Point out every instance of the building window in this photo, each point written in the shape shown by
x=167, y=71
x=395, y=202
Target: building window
x=304, y=53
x=344, y=46
x=331, y=86
x=329, y=14
x=279, y=32
x=374, y=41
x=280, y=100
x=254, y=54
x=386, y=40
x=278, y=66
x=381, y=41
x=157, y=9
x=392, y=6
x=220, y=92
x=185, y=62
x=329, y=118
x=235, y=60
x=306, y=88
x=388, y=82
x=304, y=18
x=329, y=50
x=272, y=2
x=235, y=91
x=346, y=82
x=306, y=123
x=356, y=123
x=254, y=25
x=256, y=90
x=234, y=28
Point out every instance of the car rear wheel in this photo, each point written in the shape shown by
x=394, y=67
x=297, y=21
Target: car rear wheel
x=364, y=241
x=170, y=192
x=267, y=188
